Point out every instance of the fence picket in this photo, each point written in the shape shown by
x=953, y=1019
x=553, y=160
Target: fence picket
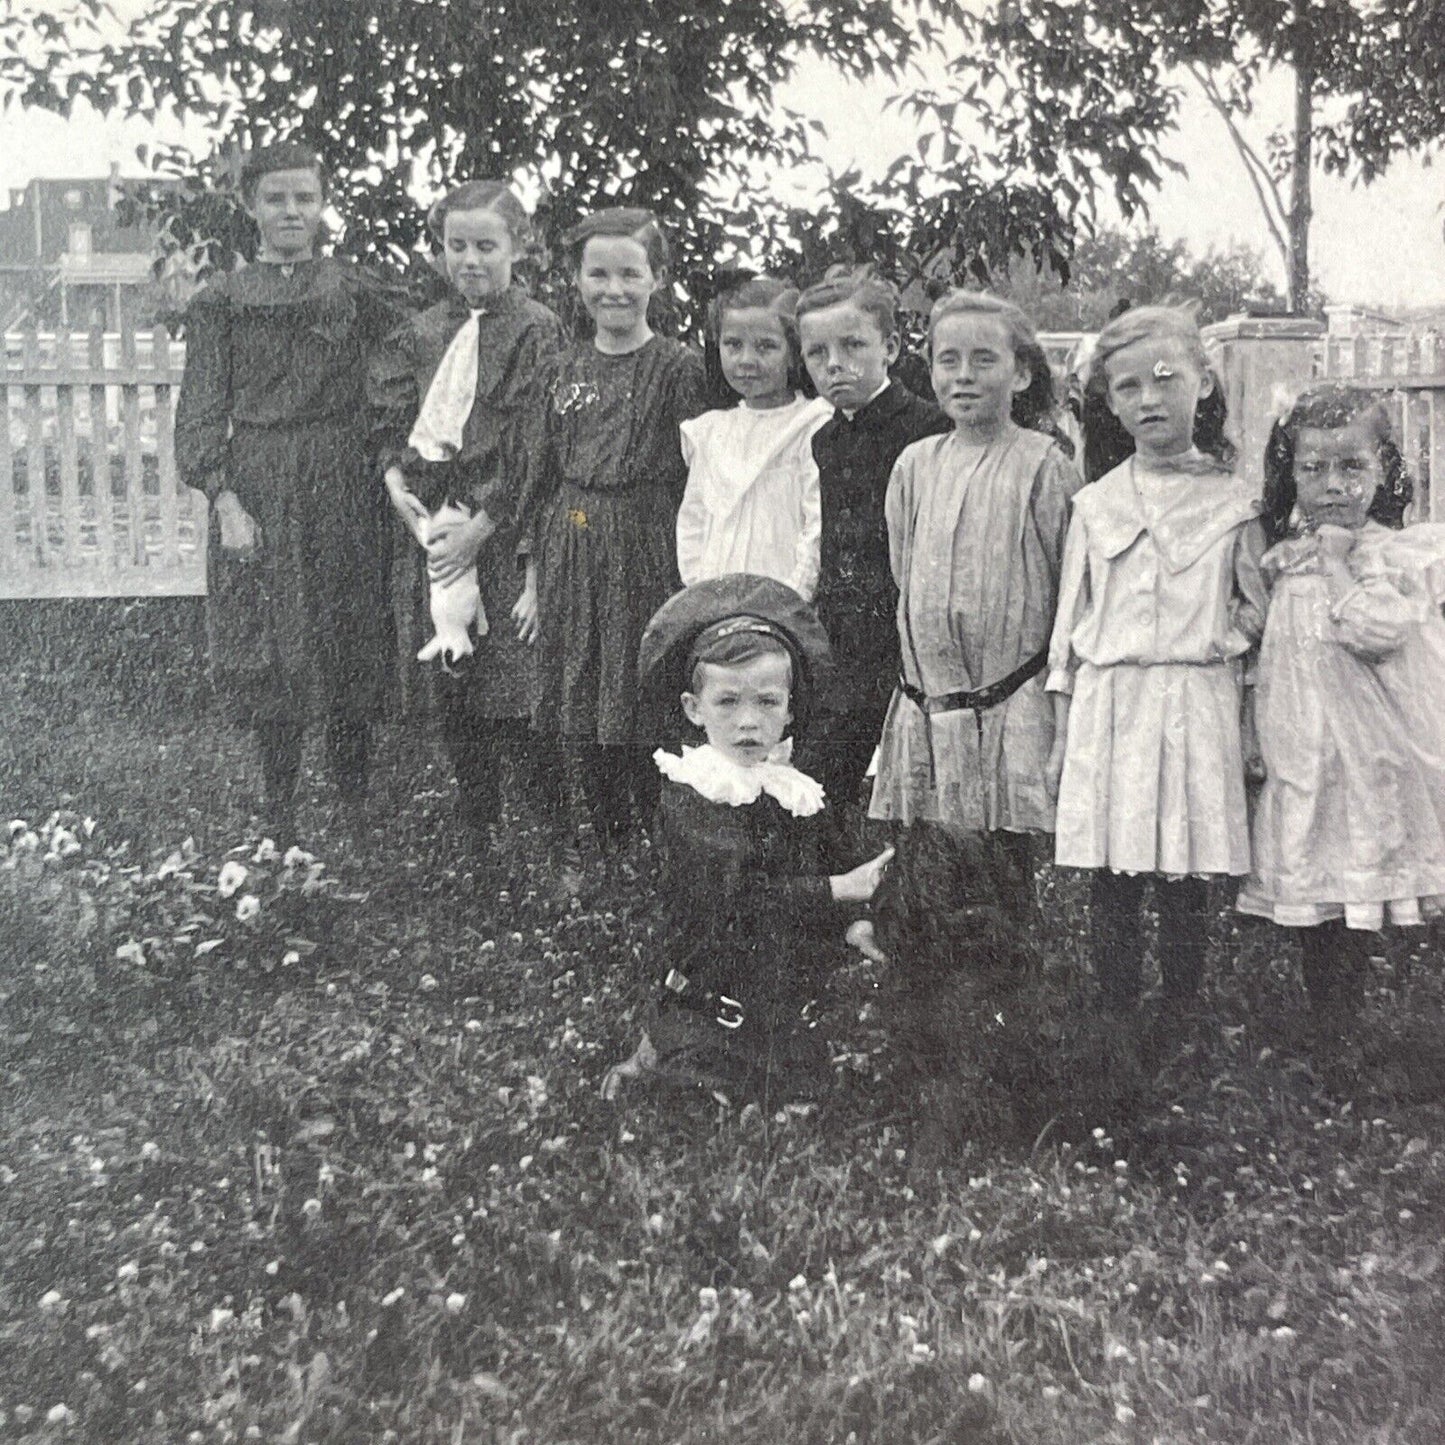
x=8, y=542
x=168, y=556
x=66, y=446
x=135, y=496
x=111, y=555
x=34, y=451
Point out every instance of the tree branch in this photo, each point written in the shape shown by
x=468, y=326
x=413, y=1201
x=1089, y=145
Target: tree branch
x=1266, y=191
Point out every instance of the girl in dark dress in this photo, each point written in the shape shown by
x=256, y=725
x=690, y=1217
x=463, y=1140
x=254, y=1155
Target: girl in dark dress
x=270, y=424
x=461, y=391
x=751, y=923
x=605, y=514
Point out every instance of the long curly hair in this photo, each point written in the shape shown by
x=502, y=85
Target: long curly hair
x=1036, y=406
x=1329, y=407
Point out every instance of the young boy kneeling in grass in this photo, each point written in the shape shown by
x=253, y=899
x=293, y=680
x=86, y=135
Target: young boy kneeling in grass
x=749, y=917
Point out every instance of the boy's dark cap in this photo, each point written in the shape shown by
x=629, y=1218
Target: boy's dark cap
x=675, y=627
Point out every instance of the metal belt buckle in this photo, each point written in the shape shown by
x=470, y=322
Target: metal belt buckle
x=730, y=1012
x=675, y=982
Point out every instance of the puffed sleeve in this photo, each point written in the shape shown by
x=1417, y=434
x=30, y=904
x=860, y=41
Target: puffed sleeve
x=391, y=392
x=1073, y=605
x=896, y=509
x=203, y=409
x=1250, y=601
x=807, y=553
x=692, y=510
x=542, y=474
x=505, y=496
x=1376, y=616
x=382, y=303
x=689, y=387
x=1055, y=483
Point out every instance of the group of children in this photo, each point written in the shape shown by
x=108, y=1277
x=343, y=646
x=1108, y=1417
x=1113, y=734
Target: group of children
x=976, y=641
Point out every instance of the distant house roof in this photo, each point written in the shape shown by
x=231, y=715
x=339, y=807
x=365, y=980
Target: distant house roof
x=106, y=268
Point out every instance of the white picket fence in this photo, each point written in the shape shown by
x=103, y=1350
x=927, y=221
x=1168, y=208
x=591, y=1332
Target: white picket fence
x=90, y=505
x=1409, y=372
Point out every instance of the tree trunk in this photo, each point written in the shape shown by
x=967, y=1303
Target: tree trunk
x=1301, y=208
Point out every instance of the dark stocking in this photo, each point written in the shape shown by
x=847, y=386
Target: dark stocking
x=1116, y=945
x=1335, y=960
x=280, y=745
x=1019, y=855
x=1183, y=935
x=348, y=746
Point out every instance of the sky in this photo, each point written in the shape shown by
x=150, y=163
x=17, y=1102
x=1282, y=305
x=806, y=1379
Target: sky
x=1378, y=245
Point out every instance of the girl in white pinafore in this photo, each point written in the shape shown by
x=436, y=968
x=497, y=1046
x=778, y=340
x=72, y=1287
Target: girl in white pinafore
x=1349, y=831
x=1161, y=599
x=751, y=504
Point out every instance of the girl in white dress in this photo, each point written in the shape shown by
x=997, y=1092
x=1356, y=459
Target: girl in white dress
x=751, y=504
x=1161, y=598
x=1349, y=832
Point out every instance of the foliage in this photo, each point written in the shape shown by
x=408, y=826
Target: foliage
x=1139, y=266
x=635, y=102
x=1084, y=95
x=255, y=911
x=379, y=1201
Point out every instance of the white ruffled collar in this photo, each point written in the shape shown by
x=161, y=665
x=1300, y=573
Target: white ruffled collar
x=720, y=780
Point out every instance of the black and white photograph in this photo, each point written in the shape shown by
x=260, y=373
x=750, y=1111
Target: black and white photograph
x=722, y=723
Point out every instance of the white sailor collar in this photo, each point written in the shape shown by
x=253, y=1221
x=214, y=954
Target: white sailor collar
x=720, y=780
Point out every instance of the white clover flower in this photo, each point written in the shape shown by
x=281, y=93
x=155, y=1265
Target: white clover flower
x=230, y=878
x=291, y=957
x=428, y=982
x=295, y=857
x=129, y=1270
x=977, y=1384
x=265, y=851
x=456, y=1303
x=16, y=826
x=27, y=842
x=311, y=1208
x=65, y=843
x=59, y=1414
x=50, y=1300
x=248, y=907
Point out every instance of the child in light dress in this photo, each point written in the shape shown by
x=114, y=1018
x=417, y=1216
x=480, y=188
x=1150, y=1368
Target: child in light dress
x=751, y=919
x=976, y=526
x=1349, y=830
x=1160, y=601
x=751, y=503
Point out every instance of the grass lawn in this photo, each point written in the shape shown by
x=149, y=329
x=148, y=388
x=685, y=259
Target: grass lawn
x=339, y=1172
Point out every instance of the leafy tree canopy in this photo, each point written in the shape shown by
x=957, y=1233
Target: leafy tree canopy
x=1081, y=93
x=663, y=103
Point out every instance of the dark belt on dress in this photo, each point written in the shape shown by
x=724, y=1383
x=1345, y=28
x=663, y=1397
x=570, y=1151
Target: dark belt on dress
x=978, y=702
